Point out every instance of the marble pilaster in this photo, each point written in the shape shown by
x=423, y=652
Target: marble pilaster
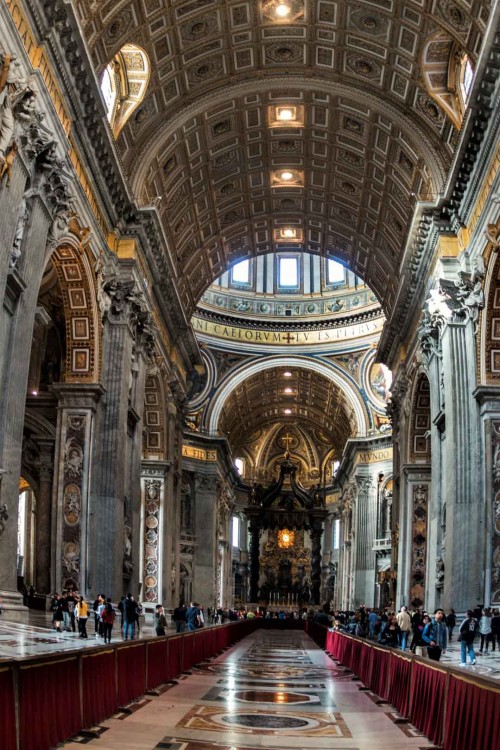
x=15, y=345
x=205, y=555
x=73, y=559
x=463, y=506
x=44, y=515
x=153, y=532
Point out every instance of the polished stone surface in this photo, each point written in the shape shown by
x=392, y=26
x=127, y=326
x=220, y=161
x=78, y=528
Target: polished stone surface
x=231, y=703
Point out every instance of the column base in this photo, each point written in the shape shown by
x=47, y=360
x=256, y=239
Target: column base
x=13, y=609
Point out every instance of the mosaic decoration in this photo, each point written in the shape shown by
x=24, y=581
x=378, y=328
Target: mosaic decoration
x=377, y=382
x=73, y=463
x=265, y=722
x=152, y=489
x=419, y=544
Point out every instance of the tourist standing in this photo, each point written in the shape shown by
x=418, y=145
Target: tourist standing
x=160, y=620
x=451, y=621
x=192, y=616
x=179, y=618
x=485, y=630
x=108, y=619
x=129, y=617
x=435, y=636
x=82, y=613
x=404, y=623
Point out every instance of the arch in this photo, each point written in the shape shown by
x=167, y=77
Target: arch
x=81, y=315
x=124, y=83
x=327, y=370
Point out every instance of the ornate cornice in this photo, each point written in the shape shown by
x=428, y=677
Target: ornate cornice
x=448, y=217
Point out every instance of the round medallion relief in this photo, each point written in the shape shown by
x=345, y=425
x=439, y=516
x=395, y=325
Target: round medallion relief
x=151, y=522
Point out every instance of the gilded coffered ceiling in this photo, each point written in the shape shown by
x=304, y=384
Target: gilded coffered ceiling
x=271, y=398
x=366, y=138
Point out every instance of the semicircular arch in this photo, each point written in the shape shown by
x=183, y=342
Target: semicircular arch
x=327, y=370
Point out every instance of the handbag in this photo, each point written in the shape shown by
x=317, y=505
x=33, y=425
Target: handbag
x=434, y=652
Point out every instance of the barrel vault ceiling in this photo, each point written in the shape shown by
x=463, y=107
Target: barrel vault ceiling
x=304, y=397
x=366, y=143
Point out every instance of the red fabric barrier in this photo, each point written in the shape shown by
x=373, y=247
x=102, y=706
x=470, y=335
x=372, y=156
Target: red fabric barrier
x=222, y=638
x=131, y=672
x=199, y=645
x=7, y=710
x=356, y=647
x=365, y=663
x=98, y=687
x=333, y=641
x=174, y=657
x=187, y=651
x=209, y=643
x=427, y=701
x=399, y=683
x=49, y=703
x=158, y=663
x=347, y=653
x=379, y=679
x=472, y=716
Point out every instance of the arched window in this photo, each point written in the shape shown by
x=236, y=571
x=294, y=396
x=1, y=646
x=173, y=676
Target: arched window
x=466, y=77
x=124, y=83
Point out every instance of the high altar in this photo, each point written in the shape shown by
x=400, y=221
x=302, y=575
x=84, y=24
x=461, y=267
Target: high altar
x=286, y=525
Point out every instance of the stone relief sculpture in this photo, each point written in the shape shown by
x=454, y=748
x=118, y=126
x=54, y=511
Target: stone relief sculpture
x=4, y=516
x=73, y=458
x=439, y=570
x=128, y=565
x=71, y=557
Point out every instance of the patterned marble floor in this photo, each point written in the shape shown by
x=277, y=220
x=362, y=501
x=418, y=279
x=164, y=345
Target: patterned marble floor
x=273, y=689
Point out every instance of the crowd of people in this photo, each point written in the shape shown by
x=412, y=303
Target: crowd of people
x=420, y=630
x=416, y=630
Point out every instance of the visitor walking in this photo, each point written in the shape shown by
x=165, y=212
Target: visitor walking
x=468, y=630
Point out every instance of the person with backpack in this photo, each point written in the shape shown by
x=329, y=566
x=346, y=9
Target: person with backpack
x=467, y=633
x=108, y=619
x=435, y=636
x=129, y=617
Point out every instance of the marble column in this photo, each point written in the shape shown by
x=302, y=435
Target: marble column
x=254, y=559
x=316, y=534
x=73, y=556
x=364, y=556
x=44, y=515
x=111, y=503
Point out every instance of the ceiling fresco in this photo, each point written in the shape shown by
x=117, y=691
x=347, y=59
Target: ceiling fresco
x=369, y=131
